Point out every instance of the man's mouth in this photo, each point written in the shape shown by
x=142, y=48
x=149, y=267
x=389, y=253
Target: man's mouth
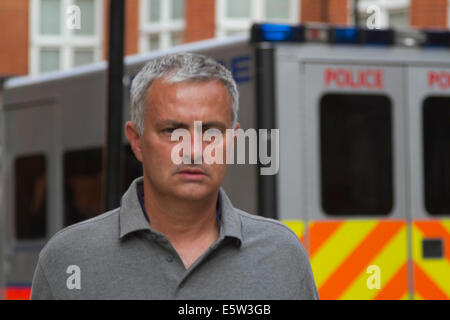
x=192, y=174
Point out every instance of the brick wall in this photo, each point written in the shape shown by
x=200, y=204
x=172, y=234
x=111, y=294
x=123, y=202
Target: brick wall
x=200, y=20
x=429, y=13
x=329, y=11
x=131, y=27
x=339, y=11
x=14, y=37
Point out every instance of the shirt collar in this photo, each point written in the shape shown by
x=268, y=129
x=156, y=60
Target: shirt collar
x=132, y=218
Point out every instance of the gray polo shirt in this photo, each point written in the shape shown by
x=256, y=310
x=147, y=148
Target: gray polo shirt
x=117, y=255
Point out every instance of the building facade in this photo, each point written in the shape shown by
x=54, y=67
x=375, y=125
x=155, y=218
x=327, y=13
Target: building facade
x=39, y=36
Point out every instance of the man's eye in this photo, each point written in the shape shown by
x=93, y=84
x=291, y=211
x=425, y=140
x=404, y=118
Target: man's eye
x=168, y=130
x=220, y=129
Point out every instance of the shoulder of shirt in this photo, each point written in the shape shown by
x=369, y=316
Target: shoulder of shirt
x=274, y=237
x=266, y=227
x=77, y=232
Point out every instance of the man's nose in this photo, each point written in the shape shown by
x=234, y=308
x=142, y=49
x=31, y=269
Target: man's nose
x=196, y=146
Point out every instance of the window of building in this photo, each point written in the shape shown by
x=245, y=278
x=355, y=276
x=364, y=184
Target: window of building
x=154, y=41
x=57, y=41
x=436, y=151
x=398, y=18
x=161, y=24
x=31, y=197
x=83, y=56
x=277, y=9
x=356, y=154
x=236, y=16
x=50, y=22
x=49, y=59
x=238, y=8
x=88, y=18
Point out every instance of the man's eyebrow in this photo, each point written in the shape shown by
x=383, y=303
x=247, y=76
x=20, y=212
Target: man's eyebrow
x=214, y=124
x=177, y=124
x=173, y=123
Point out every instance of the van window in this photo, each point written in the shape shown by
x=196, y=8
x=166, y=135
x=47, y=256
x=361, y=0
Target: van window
x=31, y=196
x=82, y=185
x=436, y=151
x=356, y=154
x=83, y=182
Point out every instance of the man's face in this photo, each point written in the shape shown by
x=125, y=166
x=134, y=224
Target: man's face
x=172, y=106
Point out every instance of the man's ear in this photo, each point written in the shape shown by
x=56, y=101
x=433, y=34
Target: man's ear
x=237, y=126
x=134, y=138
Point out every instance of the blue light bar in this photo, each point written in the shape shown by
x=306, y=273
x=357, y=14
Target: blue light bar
x=383, y=37
x=343, y=35
x=277, y=33
x=437, y=39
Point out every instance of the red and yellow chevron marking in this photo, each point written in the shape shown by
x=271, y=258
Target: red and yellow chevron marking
x=341, y=252
x=298, y=227
x=431, y=275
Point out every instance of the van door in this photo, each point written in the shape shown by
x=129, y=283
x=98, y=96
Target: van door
x=355, y=180
x=429, y=153
x=291, y=191
x=28, y=181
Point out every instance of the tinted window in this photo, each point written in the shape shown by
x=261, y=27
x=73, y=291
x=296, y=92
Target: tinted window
x=436, y=150
x=83, y=185
x=83, y=181
x=356, y=154
x=31, y=197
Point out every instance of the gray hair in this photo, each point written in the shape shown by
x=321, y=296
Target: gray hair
x=179, y=67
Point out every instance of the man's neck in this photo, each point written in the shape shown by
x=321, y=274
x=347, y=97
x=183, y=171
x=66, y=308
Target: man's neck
x=185, y=223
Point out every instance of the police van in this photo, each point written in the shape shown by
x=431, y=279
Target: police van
x=364, y=155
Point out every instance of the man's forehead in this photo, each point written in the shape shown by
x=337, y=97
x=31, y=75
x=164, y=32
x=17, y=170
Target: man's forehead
x=162, y=89
x=162, y=97
x=168, y=82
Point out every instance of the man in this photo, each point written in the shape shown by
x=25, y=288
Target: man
x=176, y=234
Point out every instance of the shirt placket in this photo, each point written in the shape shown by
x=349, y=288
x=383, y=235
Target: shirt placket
x=197, y=264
